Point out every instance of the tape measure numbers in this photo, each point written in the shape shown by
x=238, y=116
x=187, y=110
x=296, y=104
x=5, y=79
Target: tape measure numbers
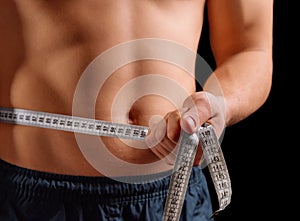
x=213, y=156
x=73, y=124
x=217, y=167
x=187, y=148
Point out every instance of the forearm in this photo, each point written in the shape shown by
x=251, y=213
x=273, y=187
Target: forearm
x=245, y=81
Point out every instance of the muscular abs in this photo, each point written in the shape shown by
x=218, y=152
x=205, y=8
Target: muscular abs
x=47, y=45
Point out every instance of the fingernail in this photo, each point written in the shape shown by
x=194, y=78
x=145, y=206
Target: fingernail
x=191, y=122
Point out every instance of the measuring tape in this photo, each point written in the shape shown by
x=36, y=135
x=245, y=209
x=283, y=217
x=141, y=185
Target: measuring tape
x=72, y=124
x=188, y=144
x=187, y=149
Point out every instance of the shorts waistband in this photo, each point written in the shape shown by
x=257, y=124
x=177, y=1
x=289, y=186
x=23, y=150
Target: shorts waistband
x=32, y=184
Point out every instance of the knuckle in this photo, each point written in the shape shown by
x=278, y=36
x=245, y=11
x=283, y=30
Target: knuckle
x=173, y=134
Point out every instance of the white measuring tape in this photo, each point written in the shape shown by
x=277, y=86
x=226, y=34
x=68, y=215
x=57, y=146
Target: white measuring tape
x=72, y=124
x=188, y=144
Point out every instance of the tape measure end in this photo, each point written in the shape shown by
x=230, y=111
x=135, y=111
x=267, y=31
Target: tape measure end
x=214, y=214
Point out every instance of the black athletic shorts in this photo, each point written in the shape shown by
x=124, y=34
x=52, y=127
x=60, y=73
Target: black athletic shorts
x=29, y=195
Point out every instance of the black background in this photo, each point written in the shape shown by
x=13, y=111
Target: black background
x=258, y=150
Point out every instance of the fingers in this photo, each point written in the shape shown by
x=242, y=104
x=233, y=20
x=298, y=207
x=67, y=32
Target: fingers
x=198, y=111
x=173, y=126
x=165, y=150
x=164, y=136
x=157, y=133
x=202, y=107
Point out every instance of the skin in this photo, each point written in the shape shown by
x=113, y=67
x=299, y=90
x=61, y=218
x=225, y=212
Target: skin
x=46, y=46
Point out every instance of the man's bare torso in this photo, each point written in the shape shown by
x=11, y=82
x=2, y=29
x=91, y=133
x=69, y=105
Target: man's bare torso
x=47, y=45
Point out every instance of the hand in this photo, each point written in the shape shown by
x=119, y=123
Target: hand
x=199, y=108
x=203, y=107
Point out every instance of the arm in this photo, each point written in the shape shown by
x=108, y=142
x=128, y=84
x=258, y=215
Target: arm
x=241, y=41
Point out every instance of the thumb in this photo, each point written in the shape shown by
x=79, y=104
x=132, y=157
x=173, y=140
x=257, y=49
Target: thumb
x=189, y=121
